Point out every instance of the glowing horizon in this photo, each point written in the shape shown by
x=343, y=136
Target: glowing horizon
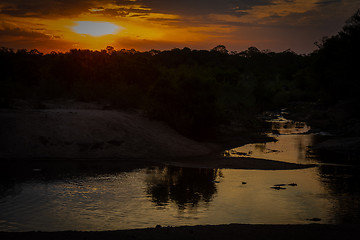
x=49, y=25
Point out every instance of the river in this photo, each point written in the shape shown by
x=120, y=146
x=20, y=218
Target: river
x=106, y=195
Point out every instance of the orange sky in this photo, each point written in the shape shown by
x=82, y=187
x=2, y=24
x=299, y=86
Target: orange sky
x=59, y=25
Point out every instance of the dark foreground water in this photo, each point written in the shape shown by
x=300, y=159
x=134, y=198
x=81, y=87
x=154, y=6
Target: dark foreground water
x=55, y=195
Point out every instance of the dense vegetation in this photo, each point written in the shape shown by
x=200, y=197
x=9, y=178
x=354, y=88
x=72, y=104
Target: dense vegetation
x=192, y=90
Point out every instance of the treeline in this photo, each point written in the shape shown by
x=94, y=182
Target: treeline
x=192, y=90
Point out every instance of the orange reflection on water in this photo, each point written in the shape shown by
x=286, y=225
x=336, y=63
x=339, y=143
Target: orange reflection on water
x=169, y=196
x=256, y=202
x=291, y=145
x=288, y=148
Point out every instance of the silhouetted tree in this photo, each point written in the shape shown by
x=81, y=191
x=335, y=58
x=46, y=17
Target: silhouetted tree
x=187, y=187
x=192, y=90
x=220, y=49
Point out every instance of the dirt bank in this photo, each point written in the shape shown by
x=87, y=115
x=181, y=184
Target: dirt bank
x=237, y=163
x=91, y=133
x=232, y=231
x=79, y=131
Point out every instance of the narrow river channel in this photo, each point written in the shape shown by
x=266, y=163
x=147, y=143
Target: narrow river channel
x=80, y=196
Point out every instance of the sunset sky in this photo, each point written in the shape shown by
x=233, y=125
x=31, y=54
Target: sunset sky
x=59, y=25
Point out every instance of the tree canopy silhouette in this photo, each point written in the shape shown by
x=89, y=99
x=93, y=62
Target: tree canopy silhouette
x=192, y=90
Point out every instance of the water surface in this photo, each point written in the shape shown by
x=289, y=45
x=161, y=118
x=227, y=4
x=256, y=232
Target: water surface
x=55, y=196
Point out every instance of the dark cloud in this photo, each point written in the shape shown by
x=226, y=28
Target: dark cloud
x=58, y=8
x=191, y=7
x=17, y=32
x=327, y=2
x=45, y=8
x=19, y=38
x=7, y=31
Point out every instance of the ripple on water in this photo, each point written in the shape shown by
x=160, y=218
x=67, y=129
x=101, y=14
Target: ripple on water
x=168, y=196
x=55, y=200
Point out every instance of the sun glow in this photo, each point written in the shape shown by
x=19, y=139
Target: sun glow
x=96, y=29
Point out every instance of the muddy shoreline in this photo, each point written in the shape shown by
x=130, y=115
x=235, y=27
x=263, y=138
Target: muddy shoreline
x=23, y=168
x=91, y=134
x=231, y=231
x=238, y=163
x=128, y=133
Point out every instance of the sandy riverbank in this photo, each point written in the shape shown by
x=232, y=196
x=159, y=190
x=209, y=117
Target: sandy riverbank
x=236, y=163
x=79, y=132
x=231, y=231
x=91, y=133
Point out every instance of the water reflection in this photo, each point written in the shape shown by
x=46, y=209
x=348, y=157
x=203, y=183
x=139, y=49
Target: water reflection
x=111, y=195
x=343, y=183
x=176, y=196
x=13, y=174
x=283, y=126
x=184, y=186
x=292, y=144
